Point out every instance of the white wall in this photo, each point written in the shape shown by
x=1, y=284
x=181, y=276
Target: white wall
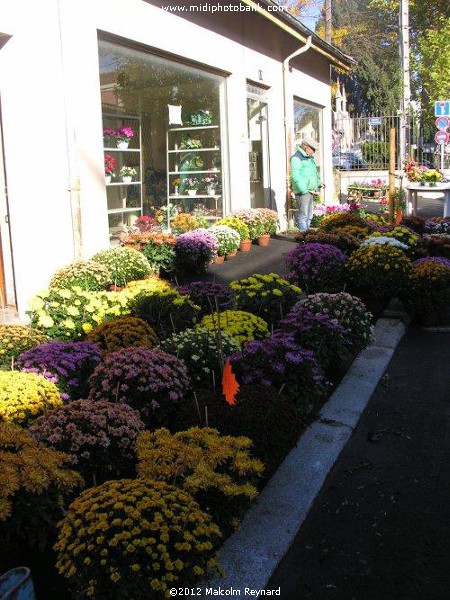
x=49, y=84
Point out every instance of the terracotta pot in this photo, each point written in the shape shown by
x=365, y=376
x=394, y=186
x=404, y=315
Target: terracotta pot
x=219, y=259
x=263, y=240
x=231, y=255
x=245, y=245
x=398, y=215
x=115, y=288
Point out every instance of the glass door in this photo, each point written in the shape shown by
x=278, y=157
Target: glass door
x=258, y=145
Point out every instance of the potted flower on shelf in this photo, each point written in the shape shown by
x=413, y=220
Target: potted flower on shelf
x=127, y=174
x=110, y=165
x=191, y=185
x=123, y=136
x=432, y=176
x=211, y=182
x=188, y=143
x=108, y=136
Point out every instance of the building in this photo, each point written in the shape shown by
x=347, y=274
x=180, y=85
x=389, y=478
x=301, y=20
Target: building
x=207, y=89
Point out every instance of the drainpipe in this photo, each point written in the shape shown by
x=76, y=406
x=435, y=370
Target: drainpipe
x=287, y=126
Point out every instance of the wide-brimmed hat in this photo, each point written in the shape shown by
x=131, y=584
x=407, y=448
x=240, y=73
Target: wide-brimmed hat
x=308, y=142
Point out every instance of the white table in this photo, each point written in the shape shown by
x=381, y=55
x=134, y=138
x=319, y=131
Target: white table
x=414, y=189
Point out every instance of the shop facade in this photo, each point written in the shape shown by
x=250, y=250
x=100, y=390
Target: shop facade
x=205, y=101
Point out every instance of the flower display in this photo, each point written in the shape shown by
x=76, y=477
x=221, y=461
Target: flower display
x=241, y=325
x=166, y=311
x=381, y=271
x=268, y=418
x=210, y=180
x=25, y=396
x=432, y=175
x=123, y=332
x=134, y=539
x=216, y=470
x=66, y=364
x=383, y=240
x=437, y=244
x=127, y=171
x=99, y=437
x=188, y=143
x=150, y=380
x=110, y=165
x=140, y=239
x=145, y=223
x=164, y=213
x=415, y=223
x=439, y=260
x=69, y=314
x=238, y=225
x=210, y=296
x=124, y=264
x=344, y=241
x=318, y=332
x=108, y=135
x=348, y=311
x=341, y=219
x=124, y=133
x=269, y=219
x=253, y=219
x=203, y=352
x=195, y=249
x=85, y=274
x=437, y=225
x=425, y=290
x=280, y=362
x=15, y=339
x=150, y=285
x=36, y=482
x=268, y=296
x=316, y=267
x=191, y=183
x=186, y=222
x=413, y=171
x=228, y=239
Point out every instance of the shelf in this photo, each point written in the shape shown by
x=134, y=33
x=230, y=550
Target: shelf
x=193, y=128
x=126, y=117
x=117, y=183
x=190, y=172
x=215, y=149
x=121, y=149
x=116, y=211
x=174, y=197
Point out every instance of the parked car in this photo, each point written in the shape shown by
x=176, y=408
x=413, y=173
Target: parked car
x=346, y=161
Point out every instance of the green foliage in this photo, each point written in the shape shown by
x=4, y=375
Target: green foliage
x=376, y=154
x=86, y=274
x=15, y=339
x=426, y=288
x=124, y=264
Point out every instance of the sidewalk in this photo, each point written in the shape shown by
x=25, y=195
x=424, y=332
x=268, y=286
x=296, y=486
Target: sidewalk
x=380, y=527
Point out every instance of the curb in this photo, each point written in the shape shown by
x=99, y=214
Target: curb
x=251, y=554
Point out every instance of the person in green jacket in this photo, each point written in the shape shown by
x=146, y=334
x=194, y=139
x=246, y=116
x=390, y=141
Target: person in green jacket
x=305, y=181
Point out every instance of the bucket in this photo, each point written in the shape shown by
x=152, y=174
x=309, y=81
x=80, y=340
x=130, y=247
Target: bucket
x=17, y=584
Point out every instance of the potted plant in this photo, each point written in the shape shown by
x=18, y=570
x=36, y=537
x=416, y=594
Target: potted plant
x=398, y=199
x=108, y=136
x=432, y=176
x=127, y=173
x=424, y=295
x=123, y=136
x=228, y=239
x=110, y=165
x=188, y=143
x=269, y=225
x=191, y=184
x=211, y=182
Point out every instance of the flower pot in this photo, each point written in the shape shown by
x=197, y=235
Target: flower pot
x=398, y=215
x=245, y=245
x=122, y=145
x=211, y=191
x=219, y=259
x=230, y=255
x=107, y=178
x=192, y=192
x=263, y=240
x=127, y=179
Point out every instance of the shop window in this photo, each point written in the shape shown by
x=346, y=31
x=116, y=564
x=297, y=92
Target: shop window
x=174, y=113
x=308, y=123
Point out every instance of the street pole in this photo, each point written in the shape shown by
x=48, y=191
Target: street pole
x=392, y=161
x=405, y=103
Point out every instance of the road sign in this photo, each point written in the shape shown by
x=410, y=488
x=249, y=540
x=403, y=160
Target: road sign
x=375, y=121
x=442, y=122
x=442, y=108
x=441, y=137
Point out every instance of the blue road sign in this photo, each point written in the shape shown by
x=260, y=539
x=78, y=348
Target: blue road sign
x=374, y=121
x=442, y=122
x=442, y=108
x=441, y=137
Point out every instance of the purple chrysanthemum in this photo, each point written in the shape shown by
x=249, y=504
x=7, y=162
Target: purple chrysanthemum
x=316, y=267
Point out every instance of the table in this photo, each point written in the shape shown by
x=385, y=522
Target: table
x=415, y=189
